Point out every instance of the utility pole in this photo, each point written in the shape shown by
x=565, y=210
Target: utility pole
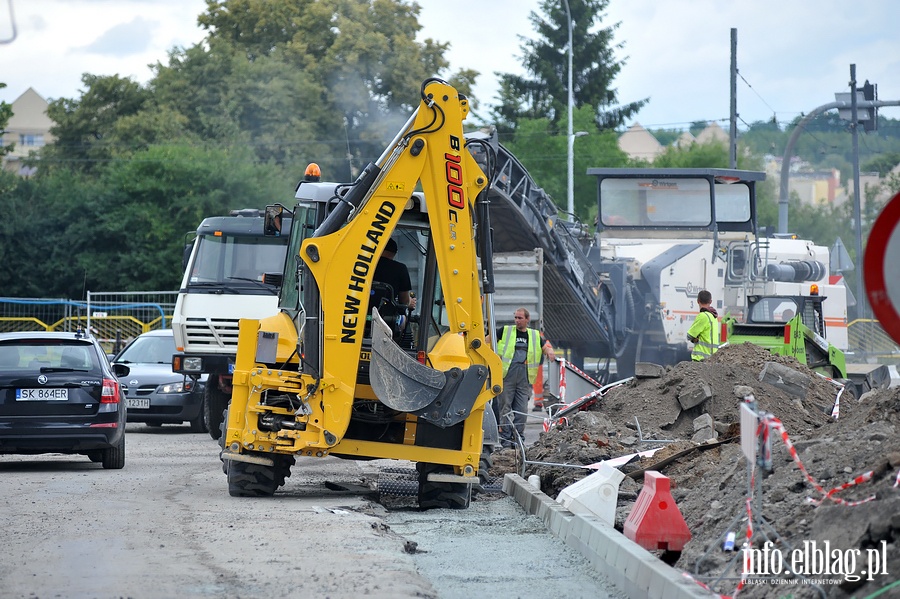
x=570, y=137
x=857, y=195
x=732, y=130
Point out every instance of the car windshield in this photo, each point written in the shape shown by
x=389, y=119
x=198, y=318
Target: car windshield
x=149, y=349
x=47, y=354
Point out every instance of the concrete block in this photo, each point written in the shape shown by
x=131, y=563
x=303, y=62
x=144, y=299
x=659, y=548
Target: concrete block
x=693, y=394
x=577, y=544
x=704, y=435
x=561, y=523
x=649, y=370
x=743, y=391
x=643, y=577
x=702, y=421
x=785, y=378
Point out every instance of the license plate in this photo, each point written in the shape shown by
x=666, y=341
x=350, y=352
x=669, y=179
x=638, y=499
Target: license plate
x=135, y=403
x=42, y=394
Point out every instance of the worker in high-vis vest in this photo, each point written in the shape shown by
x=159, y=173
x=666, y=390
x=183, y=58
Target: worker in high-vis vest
x=522, y=351
x=704, y=332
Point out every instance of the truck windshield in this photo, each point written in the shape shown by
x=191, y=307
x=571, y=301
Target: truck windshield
x=655, y=202
x=236, y=261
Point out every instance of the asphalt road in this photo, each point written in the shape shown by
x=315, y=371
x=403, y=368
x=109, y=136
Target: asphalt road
x=165, y=526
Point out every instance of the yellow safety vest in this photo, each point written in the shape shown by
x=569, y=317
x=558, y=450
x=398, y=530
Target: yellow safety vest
x=704, y=349
x=507, y=350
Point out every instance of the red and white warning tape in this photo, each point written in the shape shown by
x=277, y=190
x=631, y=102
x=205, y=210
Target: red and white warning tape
x=776, y=424
x=897, y=482
x=835, y=411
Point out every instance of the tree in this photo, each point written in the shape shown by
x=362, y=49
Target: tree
x=345, y=72
x=543, y=92
x=83, y=127
x=5, y=114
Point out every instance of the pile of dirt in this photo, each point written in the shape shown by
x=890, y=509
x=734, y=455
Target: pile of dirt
x=710, y=477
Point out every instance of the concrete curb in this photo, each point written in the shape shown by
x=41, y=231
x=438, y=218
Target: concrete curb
x=633, y=569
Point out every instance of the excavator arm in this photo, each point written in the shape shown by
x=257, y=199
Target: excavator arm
x=429, y=151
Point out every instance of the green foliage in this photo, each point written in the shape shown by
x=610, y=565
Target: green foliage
x=543, y=93
x=329, y=81
x=84, y=128
x=126, y=230
x=712, y=154
x=881, y=164
x=5, y=114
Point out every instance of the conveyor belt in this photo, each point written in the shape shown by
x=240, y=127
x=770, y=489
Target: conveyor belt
x=524, y=217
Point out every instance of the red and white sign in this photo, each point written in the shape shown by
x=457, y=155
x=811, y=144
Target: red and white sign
x=882, y=268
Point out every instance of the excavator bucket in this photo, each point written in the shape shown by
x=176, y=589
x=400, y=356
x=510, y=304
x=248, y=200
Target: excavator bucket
x=402, y=383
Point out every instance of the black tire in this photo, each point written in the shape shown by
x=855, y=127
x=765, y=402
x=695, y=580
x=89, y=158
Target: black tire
x=453, y=496
x=199, y=424
x=113, y=458
x=257, y=480
x=95, y=456
x=215, y=402
x=484, y=465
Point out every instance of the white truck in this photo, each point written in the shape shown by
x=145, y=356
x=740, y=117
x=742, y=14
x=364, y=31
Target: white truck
x=231, y=271
x=624, y=291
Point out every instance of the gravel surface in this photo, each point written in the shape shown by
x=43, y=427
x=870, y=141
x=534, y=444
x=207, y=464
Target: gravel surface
x=710, y=485
x=165, y=527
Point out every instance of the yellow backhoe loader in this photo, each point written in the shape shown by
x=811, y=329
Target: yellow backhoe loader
x=344, y=369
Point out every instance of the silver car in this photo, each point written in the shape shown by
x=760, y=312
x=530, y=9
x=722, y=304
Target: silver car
x=154, y=394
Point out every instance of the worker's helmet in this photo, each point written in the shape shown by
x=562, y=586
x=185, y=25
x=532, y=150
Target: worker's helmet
x=313, y=173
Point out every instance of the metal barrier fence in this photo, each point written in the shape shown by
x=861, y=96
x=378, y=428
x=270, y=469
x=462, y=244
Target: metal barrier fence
x=866, y=338
x=113, y=318
x=116, y=317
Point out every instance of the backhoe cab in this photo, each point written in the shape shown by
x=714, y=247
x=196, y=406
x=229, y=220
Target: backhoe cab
x=345, y=370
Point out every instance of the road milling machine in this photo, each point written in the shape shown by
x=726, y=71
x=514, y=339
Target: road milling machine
x=345, y=370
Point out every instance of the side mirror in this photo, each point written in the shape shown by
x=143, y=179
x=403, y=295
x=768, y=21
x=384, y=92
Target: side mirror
x=121, y=370
x=273, y=218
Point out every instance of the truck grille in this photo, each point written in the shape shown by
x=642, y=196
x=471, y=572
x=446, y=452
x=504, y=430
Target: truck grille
x=211, y=334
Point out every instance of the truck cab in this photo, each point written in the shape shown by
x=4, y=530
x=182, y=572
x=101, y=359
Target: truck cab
x=231, y=272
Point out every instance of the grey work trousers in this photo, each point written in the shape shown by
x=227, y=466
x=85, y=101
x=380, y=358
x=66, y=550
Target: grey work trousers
x=516, y=393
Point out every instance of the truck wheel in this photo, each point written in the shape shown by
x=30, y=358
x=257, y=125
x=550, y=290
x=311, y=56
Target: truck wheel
x=454, y=496
x=214, y=404
x=256, y=480
x=113, y=458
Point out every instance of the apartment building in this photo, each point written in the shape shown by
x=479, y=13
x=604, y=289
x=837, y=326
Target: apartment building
x=28, y=129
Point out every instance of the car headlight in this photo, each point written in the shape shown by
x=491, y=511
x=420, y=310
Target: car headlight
x=171, y=388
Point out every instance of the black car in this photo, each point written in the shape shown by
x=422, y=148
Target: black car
x=154, y=393
x=59, y=394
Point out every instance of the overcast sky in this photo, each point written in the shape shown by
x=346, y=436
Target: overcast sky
x=793, y=55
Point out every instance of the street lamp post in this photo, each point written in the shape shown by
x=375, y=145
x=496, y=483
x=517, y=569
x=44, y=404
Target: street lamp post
x=570, y=138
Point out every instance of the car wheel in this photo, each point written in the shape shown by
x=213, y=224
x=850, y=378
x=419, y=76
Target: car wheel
x=214, y=403
x=113, y=458
x=200, y=423
x=95, y=456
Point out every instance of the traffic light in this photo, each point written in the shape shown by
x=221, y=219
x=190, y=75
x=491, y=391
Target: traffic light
x=870, y=123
